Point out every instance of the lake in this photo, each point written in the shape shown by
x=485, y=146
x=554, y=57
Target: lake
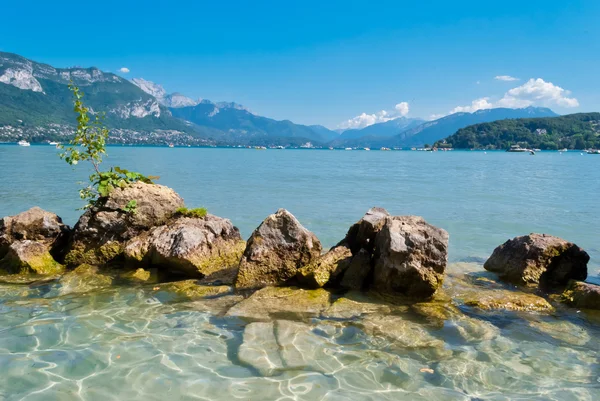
x=56, y=346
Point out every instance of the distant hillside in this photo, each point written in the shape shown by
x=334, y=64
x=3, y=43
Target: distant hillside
x=236, y=125
x=573, y=131
x=379, y=130
x=432, y=131
x=35, y=100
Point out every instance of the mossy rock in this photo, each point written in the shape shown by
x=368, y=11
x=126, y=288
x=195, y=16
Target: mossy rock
x=282, y=303
x=506, y=300
x=30, y=257
x=96, y=256
x=140, y=276
x=85, y=278
x=192, y=290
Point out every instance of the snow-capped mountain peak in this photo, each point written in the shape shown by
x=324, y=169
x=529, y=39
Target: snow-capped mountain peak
x=164, y=98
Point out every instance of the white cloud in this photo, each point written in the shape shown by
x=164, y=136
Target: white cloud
x=124, y=70
x=477, y=104
x=364, y=119
x=537, y=91
x=505, y=78
x=402, y=108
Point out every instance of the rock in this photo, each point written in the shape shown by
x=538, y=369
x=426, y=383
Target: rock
x=506, y=300
x=275, y=252
x=538, y=258
x=100, y=234
x=402, y=333
x=273, y=347
x=479, y=292
x=410, y=257
x=355, y=277
x=327, y=267
x=194, y=247
x=282, y=303
x=361, y=234
x=260, y=349
x=582, y=295
x=355, y=304
x=84, y=278
x=29, y=257
x=562, y=330
x=140, y=276
x=30, y=242
x=34, y=224
x=191, y=289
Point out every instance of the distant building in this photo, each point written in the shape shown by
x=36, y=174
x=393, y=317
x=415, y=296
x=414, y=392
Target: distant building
x=541, y=131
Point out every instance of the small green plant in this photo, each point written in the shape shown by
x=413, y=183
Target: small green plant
x=199, y=212
x=89, y=144
x=131, y=207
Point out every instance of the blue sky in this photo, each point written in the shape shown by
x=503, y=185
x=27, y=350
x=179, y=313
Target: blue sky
x=327, y=62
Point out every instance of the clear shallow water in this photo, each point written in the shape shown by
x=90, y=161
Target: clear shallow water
x=137, y=344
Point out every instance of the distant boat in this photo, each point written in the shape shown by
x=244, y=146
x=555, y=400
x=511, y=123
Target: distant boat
x=537, y=150
x=517, y=148
x=260, y=148
x=564, y=150
x=367, y=148
x=53, y=143
x=171, y=145
x=384, y=148
x=348, y=149
x=593, y=152
x=23, y=143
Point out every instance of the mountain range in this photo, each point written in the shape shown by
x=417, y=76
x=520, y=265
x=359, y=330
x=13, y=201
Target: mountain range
x=36, y=104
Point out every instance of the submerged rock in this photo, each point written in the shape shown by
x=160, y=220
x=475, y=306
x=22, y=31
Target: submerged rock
x=410, y=257
x=30, y=242
x=403, y=334
x=194, y=247
x=505, y=300
x=538, y=258
x=355, y=304
x=84, y=278
x=327, y=267
x=282, y=303
x=273, y=347
x=562, y=330
x=100, y=234
x=193, y=290
x=275, y=252
x=582, y=295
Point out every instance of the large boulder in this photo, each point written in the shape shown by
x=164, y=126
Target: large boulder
x=410, y=257
x=194, y=247
x=275, y=252
x=538, y=259
x=582, y=295
x=361, y=234
x=101, y=232
x=31, y=242
x=36, y=225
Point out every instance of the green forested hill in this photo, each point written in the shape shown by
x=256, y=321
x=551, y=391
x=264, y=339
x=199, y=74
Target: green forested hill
x=573, y=131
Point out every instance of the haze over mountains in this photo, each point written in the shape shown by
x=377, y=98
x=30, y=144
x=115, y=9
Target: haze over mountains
x=36, y=104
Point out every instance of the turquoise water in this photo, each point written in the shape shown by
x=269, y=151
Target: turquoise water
x=136, y=343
